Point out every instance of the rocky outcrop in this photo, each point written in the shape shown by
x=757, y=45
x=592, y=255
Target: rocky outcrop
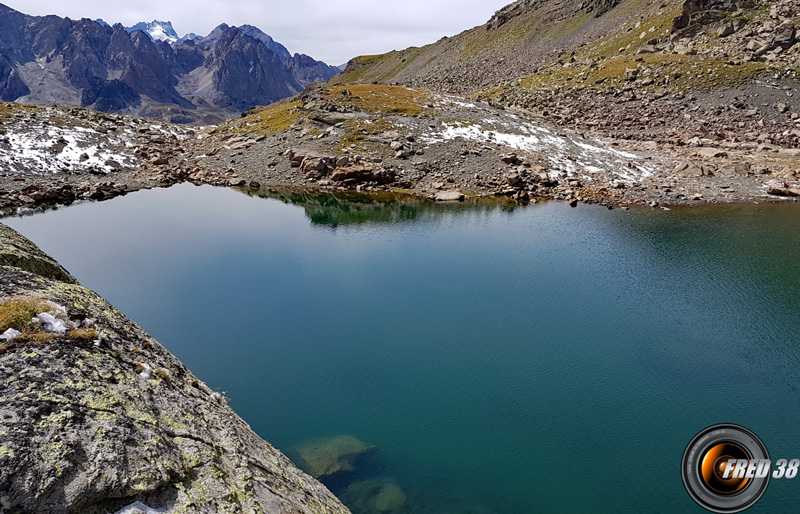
x=702, y=12
x=246, y=73
x=95, y=415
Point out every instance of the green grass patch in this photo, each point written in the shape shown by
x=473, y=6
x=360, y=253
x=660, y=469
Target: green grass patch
x=268, y=120
x=381, y=98
x=663, y=72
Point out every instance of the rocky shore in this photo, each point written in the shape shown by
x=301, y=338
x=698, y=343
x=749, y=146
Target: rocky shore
x=97, y=417
x=389, y=138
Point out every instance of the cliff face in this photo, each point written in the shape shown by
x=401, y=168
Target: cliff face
x=95, y=415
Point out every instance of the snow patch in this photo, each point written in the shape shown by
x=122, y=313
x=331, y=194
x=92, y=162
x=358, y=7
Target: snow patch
x=147, y=372
x=50, y=323
x=10, y=334
x=42, y=149
x=589, y=159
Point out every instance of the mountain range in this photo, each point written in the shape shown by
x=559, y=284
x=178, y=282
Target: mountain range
x=147, y=70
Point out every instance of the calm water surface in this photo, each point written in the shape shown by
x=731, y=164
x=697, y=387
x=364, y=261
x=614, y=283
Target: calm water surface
x=503, y=360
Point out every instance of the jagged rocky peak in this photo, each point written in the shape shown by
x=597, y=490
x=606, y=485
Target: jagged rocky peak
x=157, y=30
x=146, y=70
x=273, y=45
x=213, y=36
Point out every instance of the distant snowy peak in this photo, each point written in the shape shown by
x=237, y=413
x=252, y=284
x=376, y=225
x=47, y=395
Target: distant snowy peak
x=157, y=30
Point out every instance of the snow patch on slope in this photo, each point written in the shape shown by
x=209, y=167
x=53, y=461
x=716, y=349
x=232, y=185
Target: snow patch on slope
x=565, y=155
x=42, y=144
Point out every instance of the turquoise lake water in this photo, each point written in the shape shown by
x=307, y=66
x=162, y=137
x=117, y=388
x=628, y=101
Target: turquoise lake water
x=502, y=359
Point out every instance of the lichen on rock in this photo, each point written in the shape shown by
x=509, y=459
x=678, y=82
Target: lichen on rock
x=82, y=431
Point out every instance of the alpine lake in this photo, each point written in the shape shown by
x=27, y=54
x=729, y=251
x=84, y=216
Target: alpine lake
x=492, y=357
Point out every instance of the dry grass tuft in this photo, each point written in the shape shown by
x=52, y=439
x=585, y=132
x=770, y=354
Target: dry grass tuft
x=380, y=98
x=17, y=313
x=83, y=334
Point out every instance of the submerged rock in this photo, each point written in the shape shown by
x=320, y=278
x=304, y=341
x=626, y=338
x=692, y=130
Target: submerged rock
x=328, y=455
x=83, y=429
x=390, y=499
x=376, y=496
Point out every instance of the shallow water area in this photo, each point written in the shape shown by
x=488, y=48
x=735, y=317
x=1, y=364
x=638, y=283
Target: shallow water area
x=499, y=359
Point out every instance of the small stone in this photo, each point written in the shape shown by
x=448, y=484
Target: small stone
x=709, y=153
x=726, y=30
x=449, y=196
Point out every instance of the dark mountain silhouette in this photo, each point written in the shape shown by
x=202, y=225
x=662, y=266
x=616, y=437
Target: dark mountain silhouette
x=49, y=59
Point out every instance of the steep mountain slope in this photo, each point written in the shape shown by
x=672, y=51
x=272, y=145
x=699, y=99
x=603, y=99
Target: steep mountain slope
x=515, y=41
x=86, y=63
x=533, y=37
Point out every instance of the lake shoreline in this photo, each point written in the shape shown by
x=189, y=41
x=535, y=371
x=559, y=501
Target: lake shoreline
x=445, y=150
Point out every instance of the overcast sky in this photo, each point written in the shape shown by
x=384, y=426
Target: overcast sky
x=328, y=30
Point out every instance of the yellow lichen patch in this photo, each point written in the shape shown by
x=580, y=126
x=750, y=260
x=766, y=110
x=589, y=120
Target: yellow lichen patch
x=6, y=452
x=380, y=98
x=268, y=120
x=173, y=424
x=101, y=400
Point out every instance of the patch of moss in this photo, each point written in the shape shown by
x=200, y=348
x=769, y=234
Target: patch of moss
x=381, y=98
x=357, y=132
x=267, y=120
x=662, y=72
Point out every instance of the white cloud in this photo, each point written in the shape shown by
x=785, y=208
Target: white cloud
x=332, y=31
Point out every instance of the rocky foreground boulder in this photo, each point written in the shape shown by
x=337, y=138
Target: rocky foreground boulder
x=97, y=417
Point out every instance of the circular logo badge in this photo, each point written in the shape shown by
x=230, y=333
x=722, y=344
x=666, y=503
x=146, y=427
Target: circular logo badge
x=726, y=468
